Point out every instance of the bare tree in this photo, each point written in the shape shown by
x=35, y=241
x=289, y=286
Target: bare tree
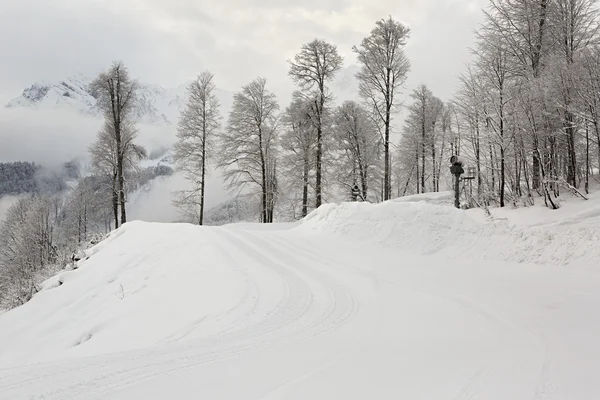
x=384, y=70
x=198, y=125
x=359, y=142
x=115, y=92
x=248, y=147
x=469, y=108
x=588, y=89
x=298, y=144
x=26, y=248
x=105, y=158
x=493, y=62
x=315, y=65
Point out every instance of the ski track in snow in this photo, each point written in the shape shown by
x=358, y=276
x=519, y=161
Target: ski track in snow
x=324, y=316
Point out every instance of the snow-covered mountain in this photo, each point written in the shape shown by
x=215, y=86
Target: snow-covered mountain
x=155, y=104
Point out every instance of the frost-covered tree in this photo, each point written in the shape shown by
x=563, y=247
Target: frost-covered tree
x=248, y=153
x=314, y=66
x=360, y=144
x=87, y=210
x=198, y=125
x=26, y=248
x=423, y=141
x=105, y=160
x=493, y=60
x=116, y=91
x=384, y=68
x=298, y=143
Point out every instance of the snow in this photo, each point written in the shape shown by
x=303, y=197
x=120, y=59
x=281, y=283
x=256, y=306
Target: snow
x=407, y=299
x=154, y=104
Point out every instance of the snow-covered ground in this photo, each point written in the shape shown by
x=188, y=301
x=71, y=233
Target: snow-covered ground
x=403, y=300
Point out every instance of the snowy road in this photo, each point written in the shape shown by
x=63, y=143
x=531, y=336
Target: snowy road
x=310, y=315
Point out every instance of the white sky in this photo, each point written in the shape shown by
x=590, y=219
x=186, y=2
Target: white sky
x=168, y=42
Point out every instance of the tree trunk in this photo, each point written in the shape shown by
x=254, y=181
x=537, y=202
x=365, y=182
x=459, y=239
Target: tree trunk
x=264, y=189
x=79, y=228
x=492, y=167
x=319, y=172
x=264, y=194
x=597, y=129
x=417, y=164
x=386, y=149
x=572, y=166
x=517, y=188
x=386, y=144
x=203, y=166
x=202, y=188
x=434, y=184
x=423, y=154
x=122, y=192
x=502, y=176
x=115, y=200
x=587, y=158
x=117, y=119
x=305, y=186
x=85, y=221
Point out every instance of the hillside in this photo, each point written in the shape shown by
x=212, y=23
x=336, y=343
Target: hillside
x=357, y=301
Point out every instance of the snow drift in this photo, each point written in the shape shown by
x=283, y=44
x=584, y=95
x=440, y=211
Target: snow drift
x=145, y=283
x=420, y=226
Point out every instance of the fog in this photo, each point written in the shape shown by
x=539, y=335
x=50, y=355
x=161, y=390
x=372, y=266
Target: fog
x=52, y=137
x=155, y=203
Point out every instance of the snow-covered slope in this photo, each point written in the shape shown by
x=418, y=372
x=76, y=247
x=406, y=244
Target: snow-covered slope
x=154, y=104
x=428, y=224
x=400, y=300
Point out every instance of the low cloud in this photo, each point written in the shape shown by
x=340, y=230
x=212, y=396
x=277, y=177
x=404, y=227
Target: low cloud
x=155, y=202
x=52, y=137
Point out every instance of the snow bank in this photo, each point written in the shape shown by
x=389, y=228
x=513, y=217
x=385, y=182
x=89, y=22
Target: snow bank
x=424, y=228
x=146, y=284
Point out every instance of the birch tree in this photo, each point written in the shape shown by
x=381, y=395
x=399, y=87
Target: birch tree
x=198, y=126
x=384, y=69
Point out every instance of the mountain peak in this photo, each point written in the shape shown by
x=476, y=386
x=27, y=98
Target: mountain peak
x=155, y=104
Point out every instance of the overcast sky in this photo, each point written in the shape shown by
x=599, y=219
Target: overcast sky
x=169, y=41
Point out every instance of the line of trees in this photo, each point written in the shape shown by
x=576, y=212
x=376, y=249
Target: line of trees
x=526, y=114
x=318, y=149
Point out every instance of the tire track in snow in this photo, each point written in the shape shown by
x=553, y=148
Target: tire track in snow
x=505, y=330
x=337, y=305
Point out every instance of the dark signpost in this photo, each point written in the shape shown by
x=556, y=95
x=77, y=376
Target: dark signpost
x=355, y=192
x=456, y=168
